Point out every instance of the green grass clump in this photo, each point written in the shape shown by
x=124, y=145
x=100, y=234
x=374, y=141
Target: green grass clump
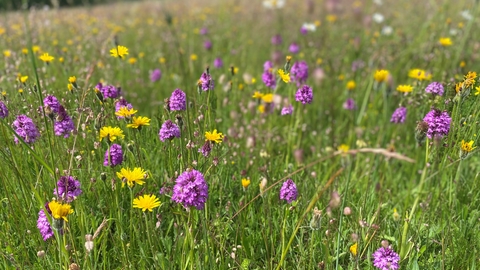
x=363, y=181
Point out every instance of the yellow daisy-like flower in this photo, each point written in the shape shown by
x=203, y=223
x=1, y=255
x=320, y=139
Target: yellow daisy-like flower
x=261, y=108
x=162, y=60
x=111, y=133
x=59, y=210
x=46, y=58
x=146, y=202
x=285, y=76
x=193, y=57
x=245, y=182
x=7, y=53
x=25, y=51
x=458, y=87
x=132, y=60
x=469, y=79
x=353, y=249
x=467, y=147
x=445, y=42
x=125, y=112
x=119, y=51
x=478, y=90
x=396, y=215
x=419, y=74
x=381, y=75
x=61, y=59
x=138, y=122
x=72, y=79
x=268, y=98
x=35, y=49
x=257, y=95
x=70, y=87
x=214, y=136
x=351, y=85
x=343, y=148
x=23, y=79
x=405, y=88
x=137, y=175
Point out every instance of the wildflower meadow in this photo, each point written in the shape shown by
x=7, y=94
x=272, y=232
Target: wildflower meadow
x=235, y=134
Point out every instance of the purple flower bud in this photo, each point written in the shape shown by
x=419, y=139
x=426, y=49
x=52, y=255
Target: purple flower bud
x=113, y=155
x=386, y=259
x=26, y=129
x=168, y=131
x=52, y=103
x=277, y=40
x=207, y=45
x=435, y=88
x=399, y=115
x=206, y=82
x=299, y=72
x=294, y=48
x=304, y=94
x=178, y=100
x=218, y=63
x=68, y=189
x=288, y=192
x=190, y=190
x=3, y=110
x=63, y=124
x=43, y=225
x=155, y=75
x=287, y=110
x=349, y=104
x=438, y=123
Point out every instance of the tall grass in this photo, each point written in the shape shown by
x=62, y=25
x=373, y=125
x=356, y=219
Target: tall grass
x=361, y=179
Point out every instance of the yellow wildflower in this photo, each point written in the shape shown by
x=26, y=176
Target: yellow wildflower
x=343, y=148
x=445, y=41
x=353, y=249
x=193, y=57
x=257, y=94
x=35, y=49
x=467, y=147
x=72, y=79
x=111, y=133
x=137, y=175
x=469, y=79
x=139, y=121
x=23, y=79
x=46, y=58
x=59, y=210
x=261, y=108
x=132, y=60
x=381, y=75
x=119, y=51
x=478, y=90
x=351, y=85
x=405, y=88
x=285, y=76
x=214, y=136
x=125, y=112
x=458, y=87
x=419, y=74
x=70, y=87
x=146, y=202
x=7, y=53
x=268, y=98
x=245, y=182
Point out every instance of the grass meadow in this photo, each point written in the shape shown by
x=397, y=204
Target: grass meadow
x=223, y=134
